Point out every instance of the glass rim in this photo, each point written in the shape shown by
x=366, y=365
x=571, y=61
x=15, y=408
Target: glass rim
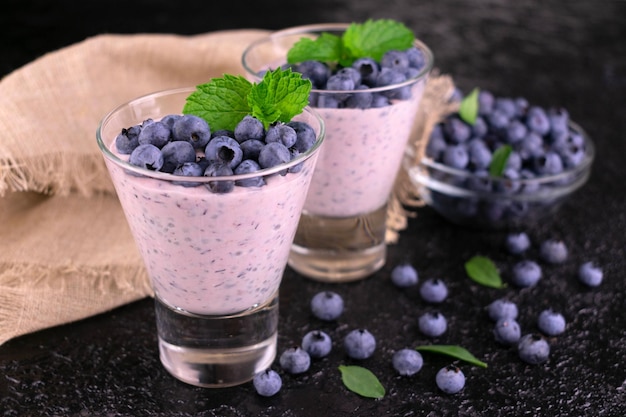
x=326, y=27
x=199, y=179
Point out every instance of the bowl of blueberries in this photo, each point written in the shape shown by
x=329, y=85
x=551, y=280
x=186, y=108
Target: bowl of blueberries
x=500, y=162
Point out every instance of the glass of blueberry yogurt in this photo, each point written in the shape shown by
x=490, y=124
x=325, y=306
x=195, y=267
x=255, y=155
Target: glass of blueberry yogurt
x=214, y=221
x=368, y=98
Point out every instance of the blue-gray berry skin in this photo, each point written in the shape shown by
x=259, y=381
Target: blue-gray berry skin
x=368, y=69
x=245, y=167
x=147, y=156
x=295, y=360
x=407, y=362
x=507, y=331
x=553, y=251
x=359, y=344
x=216, y=169
x=155, y=133
x=517, y=243
x=533, y=349
x=317, y=343
x=432, y=324
x=434, y=290
x=395, y=59
x=251, y=149
x=273, y=154
x=456, y=156
x=128, y=140
x=590, y=274
x=177, y=153
x=327, y=305
x=404, y=275
x=281, y=133
x=189, y=169
x=225, y=150
x=249, y=128
x=305, y=135
x=526, y=273
x=551, y=323
x=502, y=308
x=267, y=383
x=192, y=129
x=450, y=379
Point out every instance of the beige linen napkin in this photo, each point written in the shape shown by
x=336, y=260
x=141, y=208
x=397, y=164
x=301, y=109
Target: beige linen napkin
x=66, y=252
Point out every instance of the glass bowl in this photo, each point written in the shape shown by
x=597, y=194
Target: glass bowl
x=489, y=202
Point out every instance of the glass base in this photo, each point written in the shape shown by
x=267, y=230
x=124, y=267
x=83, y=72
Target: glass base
x=337, y=266
x=217, y=351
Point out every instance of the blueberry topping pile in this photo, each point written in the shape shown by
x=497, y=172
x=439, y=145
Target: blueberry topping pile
x=541, y=143
x=184, y=145
x=395, y=67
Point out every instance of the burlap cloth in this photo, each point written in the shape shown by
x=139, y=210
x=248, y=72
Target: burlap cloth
x=67, y=252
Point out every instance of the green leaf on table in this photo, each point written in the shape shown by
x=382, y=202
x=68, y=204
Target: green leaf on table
x=361, y=381
x=499, y=159
x=468, y=109
x=454, y=351
x=483, y=271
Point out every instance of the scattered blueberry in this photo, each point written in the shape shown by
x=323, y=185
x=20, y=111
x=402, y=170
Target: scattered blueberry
x=450, y=379
x=533, y=349
x=590, y=274
x=359, y=344
x=517, y=243
x=432, y=324
x=295, y=360
x=327, y=305
x=434, y=290
x=526, y=273
x=407, y=362
x=551, y=323
x=267, y=383
x=404, y=276
x=317, y=343
x=502, y=308
x=507, y=331
x=553, y=251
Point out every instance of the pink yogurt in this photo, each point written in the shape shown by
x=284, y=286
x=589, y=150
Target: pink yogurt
x=361, y=157
x=209, y=253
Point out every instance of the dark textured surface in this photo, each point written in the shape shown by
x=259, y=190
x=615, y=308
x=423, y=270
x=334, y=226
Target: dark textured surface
x=569, y=53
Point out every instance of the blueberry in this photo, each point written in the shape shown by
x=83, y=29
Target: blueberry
x=436, y=146
x=479, y=154
x=327, y=305
x=590, y=274
x=225, y=150
x=507, y=331
x=340, y=82
x=521, y=106
x=434, y=290
x=533, y=349
x=247, y=166
x=507, y=106
x=432, y=324
x=360, y=100
x=553, y=251
x=394, y=59
x=526, y=273
x=388, y=77
x=456, y=130
x=480, y=128
x=315, y=71
x=329, y=101
x=352, y=73
x=155, y=133
x=407, y=362
x=559, y=120
x=368, y=69
x=127, y=140
x=192, y=129
x=317, y=343
x=498, y=120
x=295, y=360
x=273, y=154
x=359, y=344
x=249, y=128
x=480, y=181
x=450, y=379
x=517, y=243
x=537, y=120
x=551, y=323
x=189, y=169
x=416, y=57
x=549, y=163
x=485, y=102
x=267, y=383
x=380, y=100
x=177, y=153
x=456, y=156
x=502, y=308
x=531, y=146
x=281, y=133
x=170, y=119
x=251, y=148
x=514, y=161
x=404, y=276
x=147, y=156
x=216, y=169
x=516, y=131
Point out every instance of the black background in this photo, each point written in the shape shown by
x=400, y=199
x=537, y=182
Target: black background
x=554, y=53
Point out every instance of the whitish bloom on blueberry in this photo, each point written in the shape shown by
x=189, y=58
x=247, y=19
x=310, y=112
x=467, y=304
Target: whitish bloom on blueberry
x=502, y=308
x=526, y=273
x=507, y=331
x=533, y=349
x=590, y=274
x=450, y=379
x=434, y=290
x=553, y=251
x=404, y=275
x=317, y=343
x=295, y=360
x=551, y=322
x=327, y=305
x=267, y=383
x=517, y=243
x=432, y=324
x=359, y=344
x=407, y=362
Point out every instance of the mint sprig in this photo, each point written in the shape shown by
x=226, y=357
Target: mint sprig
x=483, y=270
x=224, y=102
x=361, y=381
x=457, y=352
x=468, y=109
x=499, y=160
x=360, y=40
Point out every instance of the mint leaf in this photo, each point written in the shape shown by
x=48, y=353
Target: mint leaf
x=454, y=351
x=468, y=109
x=361, y=381
x=483, y=271
x=375, y=37
x=281, y=95
x=499, y=159
x=222, y=102
x=326, y=48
